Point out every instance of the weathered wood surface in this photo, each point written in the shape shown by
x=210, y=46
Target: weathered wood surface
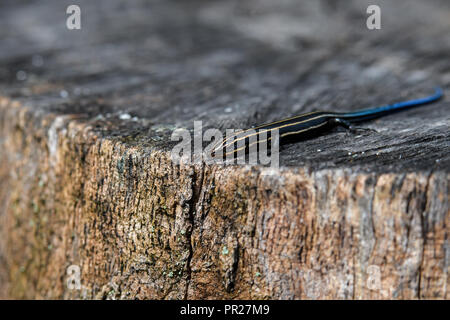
x=345, y=217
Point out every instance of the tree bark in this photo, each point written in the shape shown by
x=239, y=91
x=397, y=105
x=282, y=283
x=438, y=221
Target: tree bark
x=87, y=183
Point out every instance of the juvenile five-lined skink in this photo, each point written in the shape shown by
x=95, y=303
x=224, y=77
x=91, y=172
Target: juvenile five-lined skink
x=311, y=124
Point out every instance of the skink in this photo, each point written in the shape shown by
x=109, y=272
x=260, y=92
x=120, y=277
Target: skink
x=311, y=124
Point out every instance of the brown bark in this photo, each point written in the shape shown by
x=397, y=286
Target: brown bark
x=345, y=216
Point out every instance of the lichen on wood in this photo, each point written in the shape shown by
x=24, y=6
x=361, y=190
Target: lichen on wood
x=87, y=180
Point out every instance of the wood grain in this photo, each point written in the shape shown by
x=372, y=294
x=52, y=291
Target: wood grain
x=86, y=177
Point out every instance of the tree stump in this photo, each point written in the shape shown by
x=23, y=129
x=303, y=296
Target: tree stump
x=91, y=205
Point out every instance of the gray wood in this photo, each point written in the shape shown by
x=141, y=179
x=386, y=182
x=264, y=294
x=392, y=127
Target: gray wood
x=86, y=118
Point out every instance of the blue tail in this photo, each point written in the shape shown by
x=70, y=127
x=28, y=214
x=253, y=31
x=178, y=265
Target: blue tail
x=380, y=111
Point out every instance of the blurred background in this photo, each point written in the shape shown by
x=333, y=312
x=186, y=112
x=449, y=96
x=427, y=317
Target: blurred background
x=259, y=59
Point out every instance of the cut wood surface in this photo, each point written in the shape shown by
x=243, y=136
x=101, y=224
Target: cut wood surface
x=87, y=182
